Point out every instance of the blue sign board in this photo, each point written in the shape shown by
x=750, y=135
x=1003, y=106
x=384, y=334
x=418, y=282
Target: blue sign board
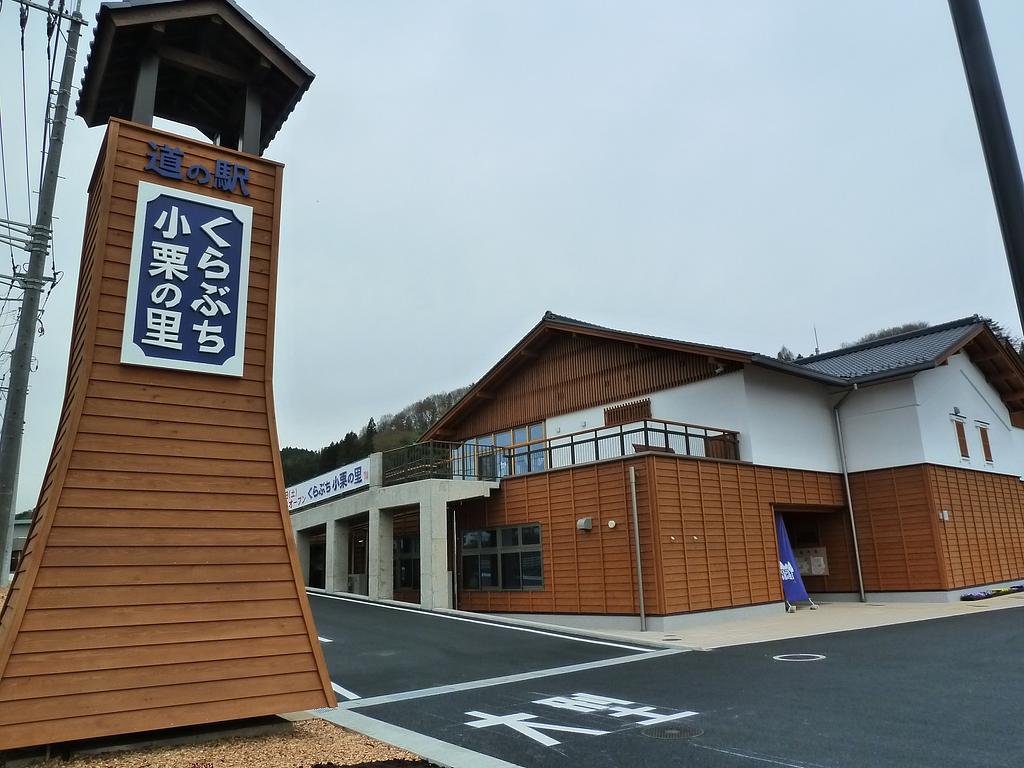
x=792, y=583
x=188, y=282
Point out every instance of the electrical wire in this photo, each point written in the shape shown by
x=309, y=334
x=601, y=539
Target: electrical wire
x=7, y=200
x=52, y=24
x=24, y=111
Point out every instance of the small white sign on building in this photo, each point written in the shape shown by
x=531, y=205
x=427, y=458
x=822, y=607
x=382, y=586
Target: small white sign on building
x=337, y=482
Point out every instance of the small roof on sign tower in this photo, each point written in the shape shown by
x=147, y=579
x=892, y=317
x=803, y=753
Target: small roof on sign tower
x=204, y=63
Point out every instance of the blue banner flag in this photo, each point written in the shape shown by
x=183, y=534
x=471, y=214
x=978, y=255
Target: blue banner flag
x=792, y=584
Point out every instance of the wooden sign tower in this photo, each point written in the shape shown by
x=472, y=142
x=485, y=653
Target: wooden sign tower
x=159, y=584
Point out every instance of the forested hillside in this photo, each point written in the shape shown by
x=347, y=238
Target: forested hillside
x=392, y=430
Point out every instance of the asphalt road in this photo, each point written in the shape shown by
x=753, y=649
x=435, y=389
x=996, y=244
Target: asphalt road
x=944, y=692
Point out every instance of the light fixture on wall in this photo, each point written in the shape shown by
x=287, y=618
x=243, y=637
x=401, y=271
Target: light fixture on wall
x=956, y=411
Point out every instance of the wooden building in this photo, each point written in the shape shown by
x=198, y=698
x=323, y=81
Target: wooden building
x=921, y=427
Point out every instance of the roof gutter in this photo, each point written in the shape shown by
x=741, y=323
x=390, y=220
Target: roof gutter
x=846, y=487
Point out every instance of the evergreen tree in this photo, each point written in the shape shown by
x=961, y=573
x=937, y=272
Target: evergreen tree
x=368, y=438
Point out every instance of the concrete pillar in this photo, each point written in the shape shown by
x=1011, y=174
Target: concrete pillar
x=337, y=556
x=435, y=586
x=375, y=469
x=302, y=546
x=380, y=555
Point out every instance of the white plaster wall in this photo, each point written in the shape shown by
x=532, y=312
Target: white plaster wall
x=880, y=426
x=719, y=402
x=959, y=384
x=790, y=422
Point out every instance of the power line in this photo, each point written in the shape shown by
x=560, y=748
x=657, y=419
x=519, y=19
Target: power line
x=7, y=201
x=24, y=112
x=52, y=24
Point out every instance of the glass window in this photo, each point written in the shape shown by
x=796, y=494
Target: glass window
x=531, y=535
x=522, y=460
x=486, y=441
x=537, y=431
x=532, y=570
x=537, y=460
x=510, y=574
x=471, y=571
x=512, y=560
x=471, y=539
x=519, y=435
x=503, y=439
x=489, y=571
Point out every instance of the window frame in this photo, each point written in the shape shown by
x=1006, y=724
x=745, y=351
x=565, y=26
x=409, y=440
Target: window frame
x=960, y=430
x=498, y=550
x=532, y=450
x=986, y=443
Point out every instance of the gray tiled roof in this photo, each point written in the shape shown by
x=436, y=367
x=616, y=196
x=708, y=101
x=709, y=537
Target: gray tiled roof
x=892, y=354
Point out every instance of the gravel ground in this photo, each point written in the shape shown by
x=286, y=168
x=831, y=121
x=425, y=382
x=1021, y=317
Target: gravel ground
x=311, y=742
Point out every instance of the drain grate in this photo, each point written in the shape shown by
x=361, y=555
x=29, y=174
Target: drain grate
x=677, y=731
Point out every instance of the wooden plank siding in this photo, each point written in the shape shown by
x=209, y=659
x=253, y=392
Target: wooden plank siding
x=983, y=540
x=571, y=372
x=707, y=534
x=897, y=530
x=159, y=586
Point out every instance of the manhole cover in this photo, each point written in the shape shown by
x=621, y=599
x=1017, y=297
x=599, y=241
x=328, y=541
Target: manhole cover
x=672, y=731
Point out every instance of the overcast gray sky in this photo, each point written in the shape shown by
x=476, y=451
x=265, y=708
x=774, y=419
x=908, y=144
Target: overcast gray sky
x=731, y=173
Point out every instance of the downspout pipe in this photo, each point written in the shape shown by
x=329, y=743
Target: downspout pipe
x=636, y=543
x=846, y=486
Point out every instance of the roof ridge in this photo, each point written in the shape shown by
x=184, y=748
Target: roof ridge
x=926, y=331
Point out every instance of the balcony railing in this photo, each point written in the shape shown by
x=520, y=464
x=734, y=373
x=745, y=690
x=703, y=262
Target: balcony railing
x=441, y=460
x=468, y=461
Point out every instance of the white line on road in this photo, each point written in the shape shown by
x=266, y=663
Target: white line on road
x=440, y=752
x=344, y=691
x=324, y=639
x=757, y=758
x=441, y=690
x=484, y=623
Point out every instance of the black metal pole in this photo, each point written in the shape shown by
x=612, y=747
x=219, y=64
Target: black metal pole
x=996, y=138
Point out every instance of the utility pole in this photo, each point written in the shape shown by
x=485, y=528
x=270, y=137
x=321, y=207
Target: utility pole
x=996, y=137
x=32, y=284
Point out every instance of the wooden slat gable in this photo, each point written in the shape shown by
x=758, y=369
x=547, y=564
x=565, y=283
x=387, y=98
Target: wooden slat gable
x=159, y=584
x=559, y=368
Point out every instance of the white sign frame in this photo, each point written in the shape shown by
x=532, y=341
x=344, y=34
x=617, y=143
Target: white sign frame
x=132, y=353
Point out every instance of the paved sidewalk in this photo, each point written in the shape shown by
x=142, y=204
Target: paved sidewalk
x=829, y=617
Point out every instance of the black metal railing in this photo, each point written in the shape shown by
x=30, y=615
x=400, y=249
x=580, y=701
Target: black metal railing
x=638, y=437
x=469, y=461
x=441, y=460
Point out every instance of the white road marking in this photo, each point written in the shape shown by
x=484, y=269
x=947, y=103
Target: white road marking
x=435, y=750
x=324, y=639
x=344, y=691
x=484, y=623
x=799, y=657
x=441, y=690
x=525, y=723
x=757, y=758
